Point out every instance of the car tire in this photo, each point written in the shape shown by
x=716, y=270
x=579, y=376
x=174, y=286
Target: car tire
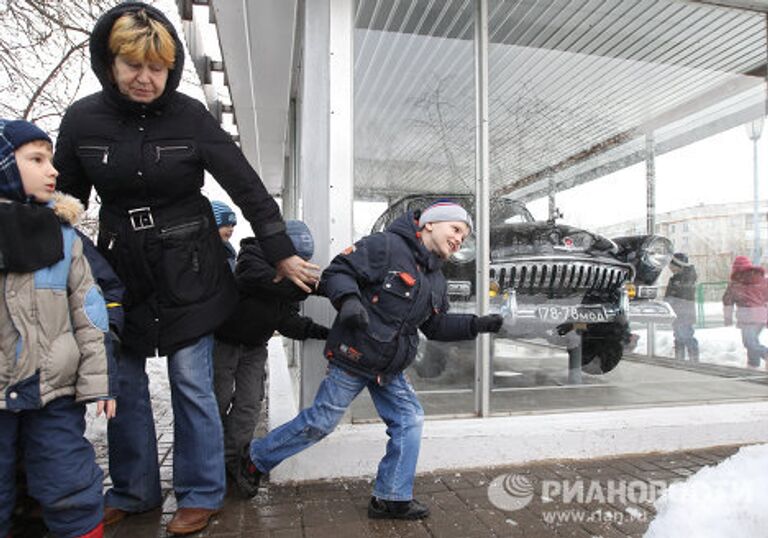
x=603, y=347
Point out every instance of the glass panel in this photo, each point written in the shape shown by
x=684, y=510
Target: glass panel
x=598, y=104
x=414, y=108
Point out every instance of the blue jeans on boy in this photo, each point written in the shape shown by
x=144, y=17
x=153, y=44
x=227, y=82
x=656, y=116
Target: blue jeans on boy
x=396, y=404
x=198, y=449
x=683, y=333
x=60, y=465
x=750, y=337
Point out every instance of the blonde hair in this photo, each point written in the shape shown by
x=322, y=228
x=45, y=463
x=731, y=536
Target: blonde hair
x=141, y=38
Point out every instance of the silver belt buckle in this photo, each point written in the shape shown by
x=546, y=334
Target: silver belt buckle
x=141, y=218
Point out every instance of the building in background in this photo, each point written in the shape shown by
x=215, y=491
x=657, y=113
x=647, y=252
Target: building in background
x=711, y=235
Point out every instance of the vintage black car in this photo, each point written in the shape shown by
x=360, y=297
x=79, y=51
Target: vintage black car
x=550, y=279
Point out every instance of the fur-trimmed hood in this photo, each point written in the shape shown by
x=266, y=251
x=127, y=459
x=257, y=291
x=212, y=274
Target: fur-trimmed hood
x=67, y=208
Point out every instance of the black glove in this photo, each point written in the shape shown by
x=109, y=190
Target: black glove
x=488, y=324
x=317, y=332
x=353, y=314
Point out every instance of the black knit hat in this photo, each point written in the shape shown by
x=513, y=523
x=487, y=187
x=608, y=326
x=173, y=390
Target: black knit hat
x=679, y=259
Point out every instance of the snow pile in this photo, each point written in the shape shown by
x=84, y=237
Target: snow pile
x=722, y=501
x=718, y=345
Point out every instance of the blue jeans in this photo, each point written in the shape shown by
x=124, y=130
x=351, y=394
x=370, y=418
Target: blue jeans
x=396, y=404
x=60, y=466
x=198, y=448
x=750, y=337
x=685, y=340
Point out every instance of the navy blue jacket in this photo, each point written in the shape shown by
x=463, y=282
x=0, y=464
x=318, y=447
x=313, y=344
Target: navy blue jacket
x=113, y=290
x=401, y=286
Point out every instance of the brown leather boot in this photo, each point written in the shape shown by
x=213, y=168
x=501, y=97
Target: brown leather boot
x=189, y=520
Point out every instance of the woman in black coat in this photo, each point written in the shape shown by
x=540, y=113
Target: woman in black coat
x=145, y=147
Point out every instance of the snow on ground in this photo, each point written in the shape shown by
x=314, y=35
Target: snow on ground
x=159, y=391
x=718, y=345
x=722, y=501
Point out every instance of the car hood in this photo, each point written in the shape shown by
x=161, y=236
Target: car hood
x=547, y=239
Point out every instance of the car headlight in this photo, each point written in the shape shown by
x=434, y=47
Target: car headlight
x=657, y=251
x=467, y=252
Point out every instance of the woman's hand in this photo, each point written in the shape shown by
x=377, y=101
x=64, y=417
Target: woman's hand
x=300, y=272
x=108, y=407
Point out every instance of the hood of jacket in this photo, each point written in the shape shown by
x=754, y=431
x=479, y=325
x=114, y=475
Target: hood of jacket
x=749, y=275
x=406, y=227
x=67, y=208
x=102, y=58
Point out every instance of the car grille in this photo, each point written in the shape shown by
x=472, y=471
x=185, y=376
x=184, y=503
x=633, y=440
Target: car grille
x=561, y=275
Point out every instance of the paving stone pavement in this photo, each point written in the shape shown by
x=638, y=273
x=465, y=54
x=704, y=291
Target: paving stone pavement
x=605, y=498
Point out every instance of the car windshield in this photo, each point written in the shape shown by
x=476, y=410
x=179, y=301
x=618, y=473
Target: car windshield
x=505, y=211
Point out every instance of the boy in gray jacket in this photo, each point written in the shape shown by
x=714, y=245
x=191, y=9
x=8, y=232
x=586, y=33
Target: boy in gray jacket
x=53, y=323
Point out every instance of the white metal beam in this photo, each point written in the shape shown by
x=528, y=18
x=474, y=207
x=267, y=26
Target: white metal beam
x=257, y=40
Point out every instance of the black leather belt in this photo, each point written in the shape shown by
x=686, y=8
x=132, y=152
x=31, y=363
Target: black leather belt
x=150, y=217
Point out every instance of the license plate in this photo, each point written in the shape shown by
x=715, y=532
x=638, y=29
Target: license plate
x=580, y=313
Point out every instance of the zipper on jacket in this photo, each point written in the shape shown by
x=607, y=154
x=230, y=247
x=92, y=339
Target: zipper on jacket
x=112, y=240
x=160, y=149
x=179, y=228
x=103, y=149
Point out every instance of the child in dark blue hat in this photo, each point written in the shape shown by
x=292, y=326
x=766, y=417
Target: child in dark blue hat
x=240, y=349
x=226, y=220
x=53, y=329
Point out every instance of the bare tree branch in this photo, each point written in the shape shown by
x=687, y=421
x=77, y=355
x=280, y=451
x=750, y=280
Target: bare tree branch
x=33, y=98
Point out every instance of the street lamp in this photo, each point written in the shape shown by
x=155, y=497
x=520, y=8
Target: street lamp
x=754, y=130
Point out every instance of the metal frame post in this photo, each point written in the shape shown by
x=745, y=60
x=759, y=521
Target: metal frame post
x=482, y=205
x=650, y=218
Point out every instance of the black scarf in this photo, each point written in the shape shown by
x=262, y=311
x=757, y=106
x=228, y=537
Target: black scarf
x=30, y=237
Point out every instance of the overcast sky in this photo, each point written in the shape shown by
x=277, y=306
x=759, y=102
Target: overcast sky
x=715, y=170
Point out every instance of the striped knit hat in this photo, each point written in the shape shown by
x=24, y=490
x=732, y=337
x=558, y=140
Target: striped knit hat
x=223, y=214
x=445, y=211
x=13, y=135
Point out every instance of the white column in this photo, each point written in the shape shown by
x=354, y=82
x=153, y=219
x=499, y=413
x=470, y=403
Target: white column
x=326, y=158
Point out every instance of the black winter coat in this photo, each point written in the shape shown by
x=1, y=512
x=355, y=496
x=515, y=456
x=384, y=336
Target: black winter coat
x=681, y=294
x=152, y=158
x=401, y=286
x=265, y=306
